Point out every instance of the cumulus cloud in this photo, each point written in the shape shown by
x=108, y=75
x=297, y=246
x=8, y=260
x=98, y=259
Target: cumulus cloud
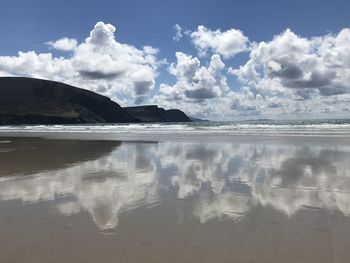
x=100, y=63
x=313, y=70
x=102, y=34
x=178, y=33
x=227, y=43
x=204, y=90
x=196, y=84
x=290, y=76
x=64, y=44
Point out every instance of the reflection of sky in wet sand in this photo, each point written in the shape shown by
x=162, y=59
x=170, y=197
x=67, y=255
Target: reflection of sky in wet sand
x=219, y=181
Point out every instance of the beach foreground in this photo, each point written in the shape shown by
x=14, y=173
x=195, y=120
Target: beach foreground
x=244, y=199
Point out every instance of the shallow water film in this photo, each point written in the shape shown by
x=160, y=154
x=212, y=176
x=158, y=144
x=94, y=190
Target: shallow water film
x=174, y=201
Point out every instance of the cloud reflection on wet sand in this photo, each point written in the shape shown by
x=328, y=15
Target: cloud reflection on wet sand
x=218, y=180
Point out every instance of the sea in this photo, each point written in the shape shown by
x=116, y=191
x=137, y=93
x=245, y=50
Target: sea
x=325, y=127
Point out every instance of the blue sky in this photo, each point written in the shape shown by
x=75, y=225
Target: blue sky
x=30, y=25
x=26, y=25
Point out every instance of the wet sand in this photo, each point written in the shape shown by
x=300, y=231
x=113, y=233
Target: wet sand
x=174, y=200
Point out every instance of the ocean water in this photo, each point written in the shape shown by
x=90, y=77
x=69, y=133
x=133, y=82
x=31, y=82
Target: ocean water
x=339, y=128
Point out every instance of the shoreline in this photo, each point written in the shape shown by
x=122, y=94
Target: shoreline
x=184, y=137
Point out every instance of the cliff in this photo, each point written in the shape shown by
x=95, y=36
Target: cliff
x=152, y=113
x=35, y=101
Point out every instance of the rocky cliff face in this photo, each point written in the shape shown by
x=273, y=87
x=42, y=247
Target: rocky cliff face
x=34, y=101
x=153, y=113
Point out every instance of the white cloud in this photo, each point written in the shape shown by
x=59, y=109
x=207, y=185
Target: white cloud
x=306, y=75
x=204, y=91
x=178, y=33
x=196, y=87
x=289, y=76
x=100, y=64
x=227, y=43
x=64, y=44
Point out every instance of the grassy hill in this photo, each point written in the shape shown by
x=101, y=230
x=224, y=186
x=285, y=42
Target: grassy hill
x=34, y=101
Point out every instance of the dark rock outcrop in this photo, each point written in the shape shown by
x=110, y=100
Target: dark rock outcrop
x=152, y=113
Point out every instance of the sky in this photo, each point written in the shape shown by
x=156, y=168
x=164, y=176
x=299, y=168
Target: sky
x=219, y=60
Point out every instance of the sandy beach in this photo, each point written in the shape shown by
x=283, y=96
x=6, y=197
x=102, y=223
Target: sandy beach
x=211, y=131
x=243, y=199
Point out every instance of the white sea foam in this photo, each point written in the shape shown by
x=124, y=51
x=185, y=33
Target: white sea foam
x=4, y=142
x=296, y=128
